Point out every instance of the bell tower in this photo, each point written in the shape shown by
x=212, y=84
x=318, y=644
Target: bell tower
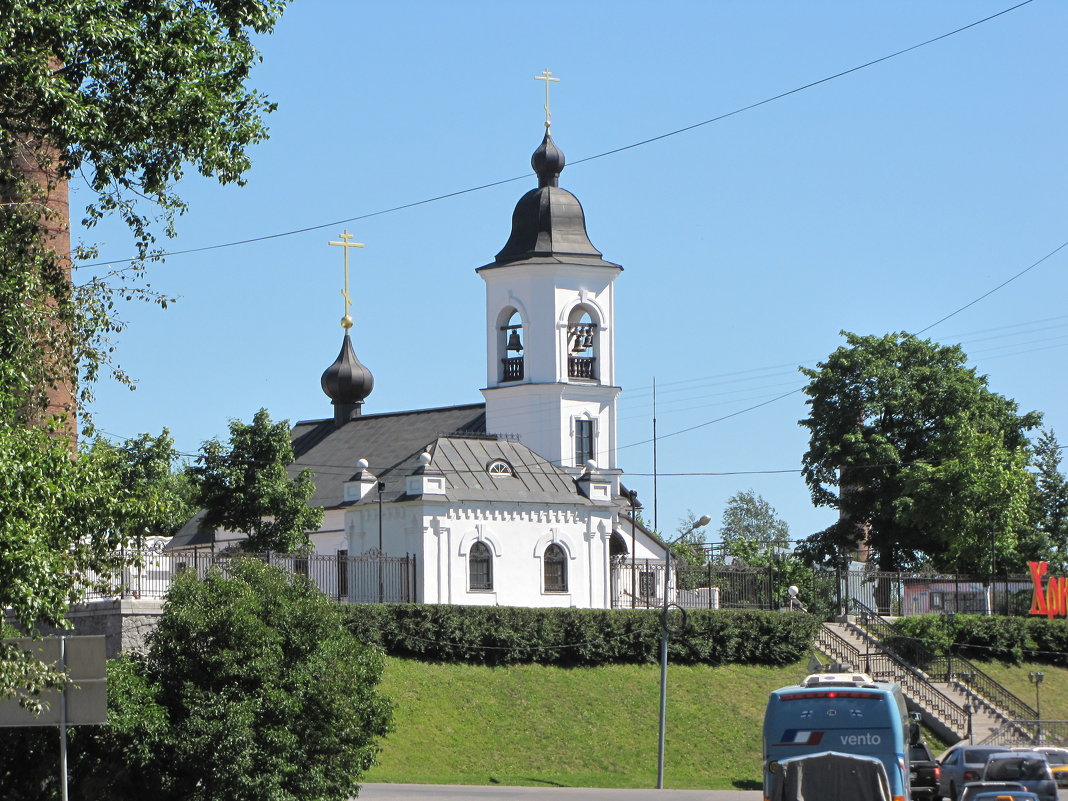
x=550, y=336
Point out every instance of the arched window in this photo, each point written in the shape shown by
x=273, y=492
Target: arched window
x=512, y=348
x=555, y=565
x=617, y=545
x=480, y=566
x=582, y=346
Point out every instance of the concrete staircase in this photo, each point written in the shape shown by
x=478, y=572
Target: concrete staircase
x=940, y=703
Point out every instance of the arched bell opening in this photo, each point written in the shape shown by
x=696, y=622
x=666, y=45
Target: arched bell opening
x=583, y=341
x=510, y=346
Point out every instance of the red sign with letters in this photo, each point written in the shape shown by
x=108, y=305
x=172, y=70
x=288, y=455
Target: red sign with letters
x=1052, y=600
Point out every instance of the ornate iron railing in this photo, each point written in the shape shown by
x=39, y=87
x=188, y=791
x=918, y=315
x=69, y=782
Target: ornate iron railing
x=886, y=665
x=363, y=578
x=939, y=667
x=1029, y=732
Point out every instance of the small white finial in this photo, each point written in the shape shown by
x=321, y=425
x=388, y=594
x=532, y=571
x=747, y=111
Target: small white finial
x=424, y=458
x=362, y=464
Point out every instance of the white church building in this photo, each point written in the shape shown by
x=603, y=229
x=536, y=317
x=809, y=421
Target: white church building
x=514, y=501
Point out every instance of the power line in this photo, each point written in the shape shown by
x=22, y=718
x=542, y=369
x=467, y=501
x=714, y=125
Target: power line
x=605, y=154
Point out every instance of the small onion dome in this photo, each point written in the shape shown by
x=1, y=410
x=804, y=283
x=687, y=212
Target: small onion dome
x=548, y=162
x=347, y=383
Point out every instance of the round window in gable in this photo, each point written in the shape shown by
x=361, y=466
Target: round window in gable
x=499, y=467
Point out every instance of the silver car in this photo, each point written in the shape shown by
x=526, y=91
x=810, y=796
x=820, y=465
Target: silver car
x=963, y=763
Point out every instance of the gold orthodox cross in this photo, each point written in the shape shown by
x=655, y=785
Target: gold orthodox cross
x=346, y=242
x=546, y=76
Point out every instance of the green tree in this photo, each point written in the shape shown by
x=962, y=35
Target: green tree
x=246, y=486
x=62, y=520
x=149, y=463
x=1050, y=511
x=252, y=688
x=125, y=96
x=916, y=453
x=751, y=529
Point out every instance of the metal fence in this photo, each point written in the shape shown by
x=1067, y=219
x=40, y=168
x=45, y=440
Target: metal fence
x=371, y=577
x=901, y=594
x=1030, y=732
x=639, y=584
x=824, y=591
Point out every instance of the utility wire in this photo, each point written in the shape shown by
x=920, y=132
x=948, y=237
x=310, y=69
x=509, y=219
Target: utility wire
x=606, y=153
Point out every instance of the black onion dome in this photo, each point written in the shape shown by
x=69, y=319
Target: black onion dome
x=347, y=381
x=548, y=162
x=548, y=221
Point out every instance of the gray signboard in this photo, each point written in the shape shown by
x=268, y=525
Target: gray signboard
x=85, y=697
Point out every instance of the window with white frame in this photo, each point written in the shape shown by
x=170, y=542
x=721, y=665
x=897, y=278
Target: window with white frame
x=554, y=563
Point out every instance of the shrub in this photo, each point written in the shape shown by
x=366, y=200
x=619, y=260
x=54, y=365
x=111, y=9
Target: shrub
x=572, y=637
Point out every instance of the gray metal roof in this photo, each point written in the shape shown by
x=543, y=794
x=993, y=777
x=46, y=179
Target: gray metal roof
x=463, y=461
x=386, y=441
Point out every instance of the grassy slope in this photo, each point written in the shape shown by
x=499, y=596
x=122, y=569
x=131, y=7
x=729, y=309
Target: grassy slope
x=594, y=727
x=1054, y=685
x=597, y=727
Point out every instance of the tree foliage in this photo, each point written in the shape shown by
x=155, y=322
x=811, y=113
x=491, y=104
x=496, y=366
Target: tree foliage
x=63, y=519
x=914, y=450
x=246, y=486
x=1051, y=498
x=252, y=688
x=751, y=529
x=124, y=96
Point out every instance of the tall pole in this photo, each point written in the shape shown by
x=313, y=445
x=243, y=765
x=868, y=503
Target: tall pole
x=663, y=673
x=704, y=520
x=1036, y=679
x=656, y=519
x=381, y=552
x=63, y=723
x=633, y=495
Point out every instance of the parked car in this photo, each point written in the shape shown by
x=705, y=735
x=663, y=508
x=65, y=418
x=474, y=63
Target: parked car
x=923, y=772
x=988, y=790
x=962, y=763
x=1029, y=768
x=1058, y=763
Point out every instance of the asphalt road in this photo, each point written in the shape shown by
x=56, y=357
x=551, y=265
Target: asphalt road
x=451, y=792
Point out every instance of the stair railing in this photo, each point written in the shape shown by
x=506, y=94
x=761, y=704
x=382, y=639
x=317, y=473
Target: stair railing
x=887, y=665
x=944, y=667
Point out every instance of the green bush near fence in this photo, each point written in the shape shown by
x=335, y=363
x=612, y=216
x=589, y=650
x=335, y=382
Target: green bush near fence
x=986, y=637
x=501, y=635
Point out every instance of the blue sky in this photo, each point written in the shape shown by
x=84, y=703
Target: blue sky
x=879, y=201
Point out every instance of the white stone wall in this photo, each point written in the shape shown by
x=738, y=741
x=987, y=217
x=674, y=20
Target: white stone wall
x=517, y=534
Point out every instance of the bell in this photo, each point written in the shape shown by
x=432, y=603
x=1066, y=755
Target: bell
x=513, y=341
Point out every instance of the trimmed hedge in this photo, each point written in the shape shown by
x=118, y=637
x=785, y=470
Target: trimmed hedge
x=1010, y=639
x=503, y=635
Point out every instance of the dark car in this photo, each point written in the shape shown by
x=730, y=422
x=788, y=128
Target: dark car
x=1029, y=768
x=923, y=772
x=963, y=763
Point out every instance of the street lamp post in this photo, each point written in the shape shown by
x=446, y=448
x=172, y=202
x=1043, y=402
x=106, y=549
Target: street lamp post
x=632, y=496
x=1035, y=677
x=703, y=521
